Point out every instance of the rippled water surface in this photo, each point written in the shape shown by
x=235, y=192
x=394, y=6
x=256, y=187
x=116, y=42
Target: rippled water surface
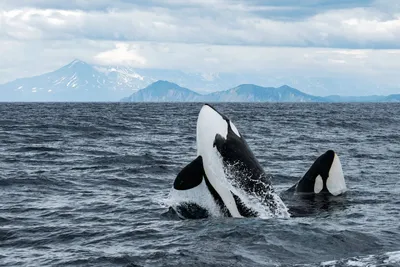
x=86, y=184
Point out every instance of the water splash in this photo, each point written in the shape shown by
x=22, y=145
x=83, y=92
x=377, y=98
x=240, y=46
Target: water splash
x=257, y=203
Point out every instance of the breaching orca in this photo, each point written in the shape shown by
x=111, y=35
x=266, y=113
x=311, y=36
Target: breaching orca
x=324, y=177
x=231, y=167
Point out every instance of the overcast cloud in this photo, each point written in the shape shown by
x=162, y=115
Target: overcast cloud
x=359, y=39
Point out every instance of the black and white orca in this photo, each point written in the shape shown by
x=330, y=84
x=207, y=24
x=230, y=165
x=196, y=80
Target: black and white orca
x=324, y=177
x=231, y=168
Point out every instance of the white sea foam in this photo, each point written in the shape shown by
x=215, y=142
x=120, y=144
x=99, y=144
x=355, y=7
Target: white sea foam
x=255, y=202
x=389, y=258
x=393, y=257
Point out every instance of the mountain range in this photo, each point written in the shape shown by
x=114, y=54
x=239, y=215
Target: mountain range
x=79, y=81
x=164, y=91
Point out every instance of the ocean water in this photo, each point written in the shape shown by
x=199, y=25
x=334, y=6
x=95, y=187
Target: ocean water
x=87, y=185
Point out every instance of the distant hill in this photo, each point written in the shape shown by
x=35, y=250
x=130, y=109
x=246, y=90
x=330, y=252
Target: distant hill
x=371, y=98
x=392, y=98
x=163, y=91
x=255, y=93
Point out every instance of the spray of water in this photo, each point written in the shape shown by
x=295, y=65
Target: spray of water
x=255, y=202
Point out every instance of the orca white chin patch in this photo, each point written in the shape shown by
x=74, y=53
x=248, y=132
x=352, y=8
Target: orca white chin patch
x=234, y=129
x=199, y=195
x=335, y=183
x=209, y=124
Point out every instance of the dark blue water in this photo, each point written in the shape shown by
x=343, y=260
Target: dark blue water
x=86, y=185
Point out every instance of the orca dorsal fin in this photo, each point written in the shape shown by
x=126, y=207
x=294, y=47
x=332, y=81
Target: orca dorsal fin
x=324, y=176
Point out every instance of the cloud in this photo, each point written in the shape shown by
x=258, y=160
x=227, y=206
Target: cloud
x=307, y=6
x=369, y=27
x=334, y=40
x=123, y=54
x=347, y=71
x=24, y=59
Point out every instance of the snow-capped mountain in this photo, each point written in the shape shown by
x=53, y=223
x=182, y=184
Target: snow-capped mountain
x=125, y=78
x=77, y=81
x=80, y=81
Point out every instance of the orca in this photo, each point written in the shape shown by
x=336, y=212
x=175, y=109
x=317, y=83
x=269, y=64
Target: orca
x=194, y=196
x=325, y=176
x=231, y=167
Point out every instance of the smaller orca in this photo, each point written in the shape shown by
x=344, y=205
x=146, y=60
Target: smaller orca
x=194, y=195
x=324, y=177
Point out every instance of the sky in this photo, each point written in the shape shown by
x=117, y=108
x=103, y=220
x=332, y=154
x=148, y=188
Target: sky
x=349, y=41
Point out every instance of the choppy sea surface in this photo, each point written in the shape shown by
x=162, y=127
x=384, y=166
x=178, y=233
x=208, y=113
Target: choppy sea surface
x=87, y=184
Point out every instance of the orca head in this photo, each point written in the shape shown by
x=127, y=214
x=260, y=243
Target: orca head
x=218, y=134
x=211, y=123
x=324, y=176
